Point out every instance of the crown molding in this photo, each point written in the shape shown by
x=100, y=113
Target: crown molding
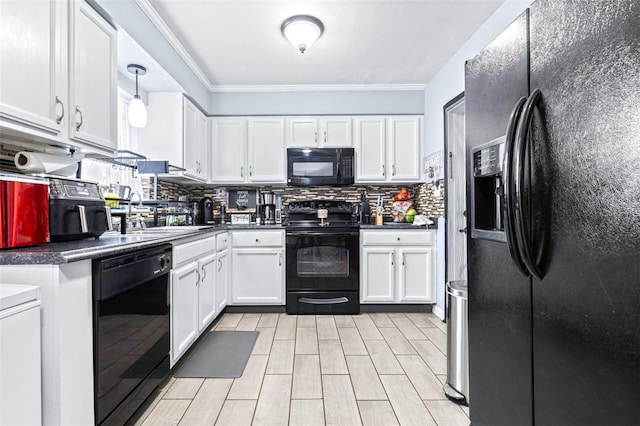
x=166, y=32
x=320, y=88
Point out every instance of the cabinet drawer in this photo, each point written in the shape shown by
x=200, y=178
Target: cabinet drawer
x=395, y=238
x=188, y=251
x=257, y=238
x=222, y=241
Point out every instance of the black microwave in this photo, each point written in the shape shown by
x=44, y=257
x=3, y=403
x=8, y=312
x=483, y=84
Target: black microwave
x=320, y=166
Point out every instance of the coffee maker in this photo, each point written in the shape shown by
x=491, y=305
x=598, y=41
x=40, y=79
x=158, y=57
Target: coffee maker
x=204, y=215
x=268, y=208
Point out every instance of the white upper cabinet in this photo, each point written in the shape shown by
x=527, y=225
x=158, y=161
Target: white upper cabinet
x=335, y=132
x=302, y=132
x=388, y=149
x=370, y=149
x=228, y=145
x=196, y=142
x=93, y=87
x=58, y=82
x=403, y=148
x=161, y=138
x=177, y=132
x=319, y=132
x=248, y=150
x=266, y=153
x=31, y=88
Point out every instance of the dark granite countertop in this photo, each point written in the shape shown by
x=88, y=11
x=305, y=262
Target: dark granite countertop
x=399, y=225
x=110, y=243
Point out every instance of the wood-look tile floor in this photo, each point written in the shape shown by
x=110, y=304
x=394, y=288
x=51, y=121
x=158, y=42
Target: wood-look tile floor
x=367, y=369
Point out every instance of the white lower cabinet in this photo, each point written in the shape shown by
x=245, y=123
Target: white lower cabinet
x=397, y=267
x=184, y=312
x=222, y=271
x=222, y=280
x=257, y=265
x=193, y=293
x=206, y=291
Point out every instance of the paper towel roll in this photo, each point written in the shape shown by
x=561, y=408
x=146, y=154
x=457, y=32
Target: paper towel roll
x=36, y=162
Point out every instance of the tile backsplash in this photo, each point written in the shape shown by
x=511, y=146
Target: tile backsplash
x=427, y=200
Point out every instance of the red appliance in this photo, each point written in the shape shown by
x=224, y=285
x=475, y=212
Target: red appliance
x=24, y=210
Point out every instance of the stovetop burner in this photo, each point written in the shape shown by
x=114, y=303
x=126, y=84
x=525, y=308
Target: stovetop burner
x=304, y=215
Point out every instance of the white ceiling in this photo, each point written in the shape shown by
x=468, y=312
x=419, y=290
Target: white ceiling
x=238, y=44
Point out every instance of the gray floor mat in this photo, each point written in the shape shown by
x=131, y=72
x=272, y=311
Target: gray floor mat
x=222, y=354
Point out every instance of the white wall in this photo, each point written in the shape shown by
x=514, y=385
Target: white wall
x=317, y=102
x=447, y=84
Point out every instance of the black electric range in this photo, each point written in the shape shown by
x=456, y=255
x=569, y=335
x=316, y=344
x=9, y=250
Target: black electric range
x=323, y=258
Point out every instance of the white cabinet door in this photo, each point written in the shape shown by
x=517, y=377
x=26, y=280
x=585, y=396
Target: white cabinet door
x=378, y=278
x=370, y=149
x=184, y=309
x=266, y=150
x=228, y=142
x=404, y=148
x=206, y=291
x=336, y=132
x=303, y=132
x=93, y=85
x=162, y=138
x=415, y=275
x=203, y=146
x=191, y=152
x=195, y=142
x=32, y=89
x=222, y=280
x=258, y=276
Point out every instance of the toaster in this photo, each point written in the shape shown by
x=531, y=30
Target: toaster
x=24, y=210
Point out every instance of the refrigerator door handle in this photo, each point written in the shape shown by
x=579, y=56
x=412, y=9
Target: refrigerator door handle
x=508, y=187
x=521, y=214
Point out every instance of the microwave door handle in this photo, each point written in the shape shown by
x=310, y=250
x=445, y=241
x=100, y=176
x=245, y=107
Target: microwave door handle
x=107, y=211
x=82, y=212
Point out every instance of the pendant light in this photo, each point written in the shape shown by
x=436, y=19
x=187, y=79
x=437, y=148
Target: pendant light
x=137, y=113
x=302, y=31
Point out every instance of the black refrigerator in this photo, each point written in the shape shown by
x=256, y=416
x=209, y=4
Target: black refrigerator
x=553, y=188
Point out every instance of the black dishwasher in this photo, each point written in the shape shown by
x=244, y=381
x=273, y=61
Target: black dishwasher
x=130, y=330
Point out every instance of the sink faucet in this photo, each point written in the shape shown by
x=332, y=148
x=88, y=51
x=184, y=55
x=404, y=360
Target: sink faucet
x=131, y=199
x=129, y=223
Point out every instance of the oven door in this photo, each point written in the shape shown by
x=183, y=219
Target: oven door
x=322, y=261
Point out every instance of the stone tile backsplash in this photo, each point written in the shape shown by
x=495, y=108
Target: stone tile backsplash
x=424, y=194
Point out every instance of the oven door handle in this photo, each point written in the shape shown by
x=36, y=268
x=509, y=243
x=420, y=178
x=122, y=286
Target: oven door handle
x=330, y=301
x=321, y=234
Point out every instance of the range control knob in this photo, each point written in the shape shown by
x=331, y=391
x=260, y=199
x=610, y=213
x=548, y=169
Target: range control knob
x=312, y=205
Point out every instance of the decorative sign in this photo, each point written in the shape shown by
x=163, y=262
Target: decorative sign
x=242, y=200
x=241, y=218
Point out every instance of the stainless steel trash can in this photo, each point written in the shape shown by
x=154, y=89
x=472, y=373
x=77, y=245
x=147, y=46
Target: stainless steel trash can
x=457, y=386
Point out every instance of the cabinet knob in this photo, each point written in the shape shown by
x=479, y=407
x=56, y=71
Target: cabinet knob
x=398, y=238
x=256, y=240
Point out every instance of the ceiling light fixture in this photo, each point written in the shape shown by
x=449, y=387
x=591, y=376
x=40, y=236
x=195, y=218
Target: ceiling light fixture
x=137, y=113
x=302, y=31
